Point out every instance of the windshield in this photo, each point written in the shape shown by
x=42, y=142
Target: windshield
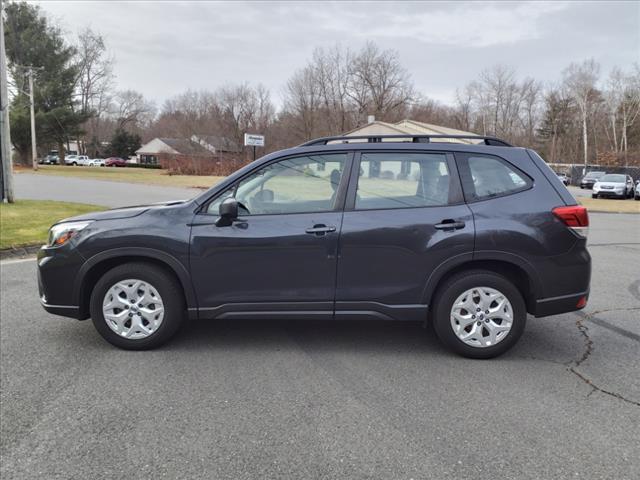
x=613, y=178
x=594, y=174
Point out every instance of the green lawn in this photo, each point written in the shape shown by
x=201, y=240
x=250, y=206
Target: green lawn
x=609, y=205
x=27, y=222
x=131, y=175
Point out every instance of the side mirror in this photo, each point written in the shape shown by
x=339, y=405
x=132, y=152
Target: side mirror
x=228, y=212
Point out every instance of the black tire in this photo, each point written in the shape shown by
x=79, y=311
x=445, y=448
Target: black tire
x=594, y=195
x=75, y=164
x=166, y=285
x=636, y=197
x=456, y=286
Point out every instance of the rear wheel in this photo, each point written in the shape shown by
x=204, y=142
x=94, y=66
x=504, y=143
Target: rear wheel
x=479, y=314
x=594, y=195
x=137, y=306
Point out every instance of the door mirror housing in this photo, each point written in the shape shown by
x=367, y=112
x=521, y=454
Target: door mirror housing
x=228, y=211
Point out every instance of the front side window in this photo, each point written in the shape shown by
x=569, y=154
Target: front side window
x=485, y=177
x=402, y=180
x=294, y=185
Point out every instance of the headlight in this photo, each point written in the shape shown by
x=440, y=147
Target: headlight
x=63, y=232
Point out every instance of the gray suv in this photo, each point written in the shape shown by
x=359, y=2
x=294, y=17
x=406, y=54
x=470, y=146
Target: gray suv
x=469, y=237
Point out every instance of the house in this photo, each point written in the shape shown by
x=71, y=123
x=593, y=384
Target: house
x=408, y=127
x=197, y=145
x=216, y=144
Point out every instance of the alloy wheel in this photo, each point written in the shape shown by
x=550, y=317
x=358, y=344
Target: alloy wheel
x=481, y=317
x=133, y=309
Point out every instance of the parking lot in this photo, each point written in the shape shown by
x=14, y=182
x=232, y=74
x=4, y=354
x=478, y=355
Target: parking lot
x=275, y=399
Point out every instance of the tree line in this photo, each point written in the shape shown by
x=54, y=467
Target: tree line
x=585, y=116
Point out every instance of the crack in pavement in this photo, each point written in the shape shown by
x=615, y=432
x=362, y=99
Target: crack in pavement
x=589, y=345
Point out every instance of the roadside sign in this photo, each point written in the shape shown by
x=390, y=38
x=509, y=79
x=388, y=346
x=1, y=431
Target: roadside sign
x=253, y=140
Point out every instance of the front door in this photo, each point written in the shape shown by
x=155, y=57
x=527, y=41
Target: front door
x=405, y=216
x=279, y=258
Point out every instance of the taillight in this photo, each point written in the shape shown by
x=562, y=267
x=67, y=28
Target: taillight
x=575, y=217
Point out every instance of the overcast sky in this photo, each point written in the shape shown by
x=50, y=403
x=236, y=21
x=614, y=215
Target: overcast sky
x=162, y=48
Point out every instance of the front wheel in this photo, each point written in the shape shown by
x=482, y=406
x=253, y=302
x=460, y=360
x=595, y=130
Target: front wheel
x=137, y=306
x=594, y=195
x=479, y=314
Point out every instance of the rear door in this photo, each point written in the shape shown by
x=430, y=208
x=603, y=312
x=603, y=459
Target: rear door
x=404, y=217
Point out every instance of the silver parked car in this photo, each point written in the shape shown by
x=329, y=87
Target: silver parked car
x=616, y=185
x=636, y=194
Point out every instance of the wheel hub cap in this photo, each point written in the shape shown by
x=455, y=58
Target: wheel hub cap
x=133, y=309
x=481, y=317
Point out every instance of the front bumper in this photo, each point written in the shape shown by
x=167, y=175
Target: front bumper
x=609, y=193
x=57, y=269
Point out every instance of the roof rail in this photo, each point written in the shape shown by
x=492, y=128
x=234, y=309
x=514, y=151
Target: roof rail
x=414, y=138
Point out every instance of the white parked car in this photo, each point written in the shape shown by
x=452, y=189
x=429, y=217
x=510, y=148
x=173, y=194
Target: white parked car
x=76, y=160
x=96, y=162
x=636, y=194
x=613, y=185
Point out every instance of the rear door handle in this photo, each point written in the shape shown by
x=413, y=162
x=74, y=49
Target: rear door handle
x=320, y=229
x=449, y=224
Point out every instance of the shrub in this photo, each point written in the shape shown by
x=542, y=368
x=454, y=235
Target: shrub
x=219, y=165
x=143, y=165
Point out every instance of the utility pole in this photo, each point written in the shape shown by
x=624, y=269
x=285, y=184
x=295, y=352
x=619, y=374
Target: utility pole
x=34, y=153
x=6, y=174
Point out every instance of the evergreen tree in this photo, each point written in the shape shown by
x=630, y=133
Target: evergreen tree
x=31, y=41
x=124, y=144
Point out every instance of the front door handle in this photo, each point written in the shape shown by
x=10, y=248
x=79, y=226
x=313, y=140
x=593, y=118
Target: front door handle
x=320, y=230
x=449, y=224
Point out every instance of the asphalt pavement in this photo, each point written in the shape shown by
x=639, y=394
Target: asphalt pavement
x=285, y=399
x=97, y=192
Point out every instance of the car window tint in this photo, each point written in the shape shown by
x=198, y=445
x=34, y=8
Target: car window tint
x=293, y=185
x=492, y=177
x=402, y=180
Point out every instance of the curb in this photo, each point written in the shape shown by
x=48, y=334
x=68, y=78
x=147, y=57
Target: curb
x=19, y=252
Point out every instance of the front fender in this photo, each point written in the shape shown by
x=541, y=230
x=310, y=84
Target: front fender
x=137, y=252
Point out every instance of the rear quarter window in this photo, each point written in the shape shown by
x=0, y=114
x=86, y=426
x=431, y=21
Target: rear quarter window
x=487, y=176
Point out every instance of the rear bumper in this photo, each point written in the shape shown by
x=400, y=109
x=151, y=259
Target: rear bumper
x=556, y=305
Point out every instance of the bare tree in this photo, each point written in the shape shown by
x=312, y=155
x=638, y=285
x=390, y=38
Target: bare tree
x=302, y=99
x=95, y=71
x=338, y=89
x=379, y=84
x=531, y=92
x=94, y=84
x=580, y=80
x=244, y=109
x=630, y=105
x=131, y=109
x=613, y=97
x=463, y=109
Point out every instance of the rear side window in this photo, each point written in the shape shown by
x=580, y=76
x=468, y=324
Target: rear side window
x=485, y=176
x=402, y=180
